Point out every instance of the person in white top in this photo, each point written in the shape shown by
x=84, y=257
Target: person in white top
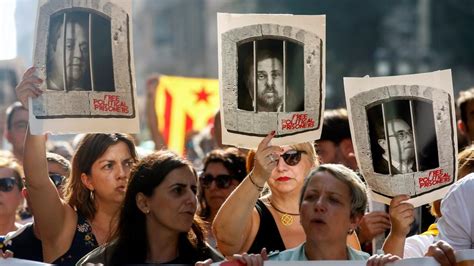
x=457, y=224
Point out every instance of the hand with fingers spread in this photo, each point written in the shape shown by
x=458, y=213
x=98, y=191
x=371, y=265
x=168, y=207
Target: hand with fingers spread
x=266, y=159
x=402, y=215
x=373, y=224
x=381, y=259
x=442, y=252
x=28, y=87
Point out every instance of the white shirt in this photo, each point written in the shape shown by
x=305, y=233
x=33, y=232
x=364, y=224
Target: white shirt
x=416, y=246
x=457, y=224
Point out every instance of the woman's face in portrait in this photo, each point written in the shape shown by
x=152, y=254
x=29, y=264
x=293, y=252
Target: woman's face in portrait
x=217, y=191
x=326, y=209
x=173, y=203
x=286, y=177
x=110, y=173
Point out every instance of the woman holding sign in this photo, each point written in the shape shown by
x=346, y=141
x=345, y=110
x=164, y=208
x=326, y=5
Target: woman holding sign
x=71, y=228
x=247, y=221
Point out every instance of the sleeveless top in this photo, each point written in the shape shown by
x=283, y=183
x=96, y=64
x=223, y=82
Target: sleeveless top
x=82, y=243
x=268, y=235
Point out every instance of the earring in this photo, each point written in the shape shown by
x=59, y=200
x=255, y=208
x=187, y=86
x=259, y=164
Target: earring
x=91, y=195
x=351, y=231
x=147, y=211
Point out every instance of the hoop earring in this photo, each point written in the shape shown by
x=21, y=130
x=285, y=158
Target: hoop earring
x=91, y=195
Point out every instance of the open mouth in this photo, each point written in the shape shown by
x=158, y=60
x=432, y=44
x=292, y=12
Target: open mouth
x=318, y=221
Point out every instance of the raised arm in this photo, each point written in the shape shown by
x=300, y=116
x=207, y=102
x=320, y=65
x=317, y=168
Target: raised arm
x=43, y=198
x=402, y=215
x=236, y=224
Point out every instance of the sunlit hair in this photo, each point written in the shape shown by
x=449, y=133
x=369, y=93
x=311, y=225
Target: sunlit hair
x=132, y=242
x=90, y=148
x=233, y=161
x=348, y=177
x=12, y=164
x=59, y=159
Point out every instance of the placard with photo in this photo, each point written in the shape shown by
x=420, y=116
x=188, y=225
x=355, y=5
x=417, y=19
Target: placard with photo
x=404, y=132
x=272, y=76
x=77, y=43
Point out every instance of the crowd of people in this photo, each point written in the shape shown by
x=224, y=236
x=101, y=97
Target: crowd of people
x=308, y=201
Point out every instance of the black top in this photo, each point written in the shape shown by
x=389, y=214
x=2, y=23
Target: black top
x=188, y=255
x=25, y=245
x=83, y=242
x=268, y=235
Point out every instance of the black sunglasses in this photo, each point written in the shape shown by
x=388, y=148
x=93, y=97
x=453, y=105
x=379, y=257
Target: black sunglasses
x=222, y=181
x=292, y=157
x=57, y=179
x=7, y=184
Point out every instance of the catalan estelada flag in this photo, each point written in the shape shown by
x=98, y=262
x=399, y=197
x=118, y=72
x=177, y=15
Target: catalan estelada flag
x=183, y=105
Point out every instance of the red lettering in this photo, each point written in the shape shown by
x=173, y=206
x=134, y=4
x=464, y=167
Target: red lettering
x=434, y=177
x=297, y=121
x=110, y=103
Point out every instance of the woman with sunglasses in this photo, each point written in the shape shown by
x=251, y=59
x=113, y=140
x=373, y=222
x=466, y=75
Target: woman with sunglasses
x=247, y=221
x=157, y=223
x=10, y=194
x=222, y=173
x=94, y=192
x=25, y=242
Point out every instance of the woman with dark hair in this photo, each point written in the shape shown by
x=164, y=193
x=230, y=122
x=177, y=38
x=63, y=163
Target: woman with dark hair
x=94, y=192
x=223, y=171
x=157, y=223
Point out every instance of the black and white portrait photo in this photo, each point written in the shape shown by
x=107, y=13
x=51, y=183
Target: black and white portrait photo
x=403, y=138
x=277, y=83
x=84, y=53
x=271, y=77
x=404, y=133
x=74, y=53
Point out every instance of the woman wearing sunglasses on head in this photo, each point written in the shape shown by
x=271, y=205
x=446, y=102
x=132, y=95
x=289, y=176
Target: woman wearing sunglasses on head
x=247, y=223
x=10, y=194
x=222, y=173
x=94, y=192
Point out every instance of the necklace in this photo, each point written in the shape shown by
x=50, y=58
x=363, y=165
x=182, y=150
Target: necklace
x=286, y=218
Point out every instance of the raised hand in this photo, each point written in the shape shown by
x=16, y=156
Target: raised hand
x=28, y=87
x=266, y=159
x=402, y=215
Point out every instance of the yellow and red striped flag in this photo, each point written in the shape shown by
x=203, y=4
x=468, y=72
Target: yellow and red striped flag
x=183, y=105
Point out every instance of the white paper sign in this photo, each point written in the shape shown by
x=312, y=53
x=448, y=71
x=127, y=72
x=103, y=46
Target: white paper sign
x=404, y=131
x=285, y=91
x=83, y=53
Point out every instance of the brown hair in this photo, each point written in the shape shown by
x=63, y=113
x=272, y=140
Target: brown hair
x=232, y=160
x=90, y=148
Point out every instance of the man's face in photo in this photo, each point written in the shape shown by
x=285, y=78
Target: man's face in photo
x=269, y=84
x=401, y=141
x=77, y=54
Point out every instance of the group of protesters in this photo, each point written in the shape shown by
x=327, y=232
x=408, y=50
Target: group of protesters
x=105, y=204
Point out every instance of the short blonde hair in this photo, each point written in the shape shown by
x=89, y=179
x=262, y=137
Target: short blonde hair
x=348, y=177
